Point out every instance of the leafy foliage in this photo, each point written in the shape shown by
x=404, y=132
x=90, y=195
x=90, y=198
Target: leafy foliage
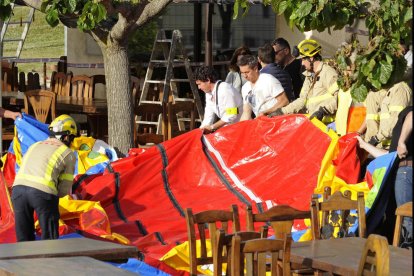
x=361, y=68
x=90, y=13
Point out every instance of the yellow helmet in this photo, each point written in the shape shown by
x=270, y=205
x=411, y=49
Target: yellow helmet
x=63, y=125
x=309, y=48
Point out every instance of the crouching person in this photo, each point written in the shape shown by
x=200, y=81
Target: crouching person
x=45, y=175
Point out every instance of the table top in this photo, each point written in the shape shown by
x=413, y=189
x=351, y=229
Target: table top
x=60, y=266
x=342, y=256
x=96, y=249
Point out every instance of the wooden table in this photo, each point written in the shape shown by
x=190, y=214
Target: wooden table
x=95, y=109
x=100, y=250
x=60, y=266
x=342, y=256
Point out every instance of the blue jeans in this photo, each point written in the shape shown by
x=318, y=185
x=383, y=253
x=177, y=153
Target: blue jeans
x=403, y=194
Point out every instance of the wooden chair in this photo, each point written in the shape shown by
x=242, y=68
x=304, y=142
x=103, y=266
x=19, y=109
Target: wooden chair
x=180, y=113
x=60, y=83
x=375, y=258
x=149, y=127
x=336, y=214
x=42, y=102
x=135, y=90
x=405, y=210
x=98, y=82
x=256, y=252
x=81, y=87
x=222, y=248
x=207, y=223
x=279, y=217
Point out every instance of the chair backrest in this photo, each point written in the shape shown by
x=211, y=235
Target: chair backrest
x=181, y=117
x=207, y=223
x=60, y=83
x=148, y=125
x=336, y=215
x=256, y=252
x=81, y=87
x=279, y=217
x=135, y=90
x=42, y=102
x=6, y=80
x=222, y=248
x=405, y=210
x=375, y=258
x=98, y=82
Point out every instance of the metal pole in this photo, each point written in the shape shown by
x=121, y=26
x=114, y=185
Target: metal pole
x=209, y=34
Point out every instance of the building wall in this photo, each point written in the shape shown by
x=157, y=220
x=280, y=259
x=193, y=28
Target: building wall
x=330, y=42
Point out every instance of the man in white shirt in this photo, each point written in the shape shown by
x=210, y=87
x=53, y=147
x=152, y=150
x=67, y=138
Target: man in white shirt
x=222, y=100
x=262, y=93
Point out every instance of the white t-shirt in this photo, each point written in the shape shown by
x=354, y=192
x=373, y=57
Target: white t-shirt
x=228, y=106
x=262, y=95
x=409, y=58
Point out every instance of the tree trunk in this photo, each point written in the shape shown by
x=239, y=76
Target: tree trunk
x=119, y=97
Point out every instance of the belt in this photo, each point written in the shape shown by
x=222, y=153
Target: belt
x=405, y=163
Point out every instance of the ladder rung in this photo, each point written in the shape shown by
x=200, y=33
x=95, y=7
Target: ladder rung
x=156, y=81
x=19, y=22
x=164, y=40
x=151, y=102
x=166, y=61
x=184, y=100
x=158, y=61
x=147, y=123
x=12, y=39
x=180, y=80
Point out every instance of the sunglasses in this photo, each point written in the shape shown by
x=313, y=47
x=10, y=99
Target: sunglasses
x=277, y=52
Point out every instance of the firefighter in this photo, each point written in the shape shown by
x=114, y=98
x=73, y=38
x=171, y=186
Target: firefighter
x=45, y=175
x=319, y=93
x=383, y=107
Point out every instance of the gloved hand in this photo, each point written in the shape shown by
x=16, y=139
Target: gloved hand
x=319, y=113
x=277, y=112
x=373, y=141
x=331, y=126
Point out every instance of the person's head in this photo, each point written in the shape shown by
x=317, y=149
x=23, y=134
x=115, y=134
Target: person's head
x=309, y=52
x=266, y=54
x=282, y=51
x=63, y=128
x=243, y=50
x=403, y=46
x=249, y=67
x=205, y=77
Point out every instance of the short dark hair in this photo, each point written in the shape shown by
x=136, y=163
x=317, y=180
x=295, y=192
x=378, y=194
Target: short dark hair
x=282, y=42
x=249, y=60
x=206, y=73
x=266, y=53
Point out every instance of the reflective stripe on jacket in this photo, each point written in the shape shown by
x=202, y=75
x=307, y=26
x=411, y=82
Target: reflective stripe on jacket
x=48, y=166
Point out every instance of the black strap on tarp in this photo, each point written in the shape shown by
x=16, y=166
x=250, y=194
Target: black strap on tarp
x=164, y=174
x=221, y=175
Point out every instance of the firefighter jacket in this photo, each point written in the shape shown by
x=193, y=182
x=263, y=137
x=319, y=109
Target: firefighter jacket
x=383, y=108
x=318, y=90
x=47, y=166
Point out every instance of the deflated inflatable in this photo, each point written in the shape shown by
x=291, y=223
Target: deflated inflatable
x=262, y=162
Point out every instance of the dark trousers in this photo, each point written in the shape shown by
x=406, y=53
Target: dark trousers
x=26, y=200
